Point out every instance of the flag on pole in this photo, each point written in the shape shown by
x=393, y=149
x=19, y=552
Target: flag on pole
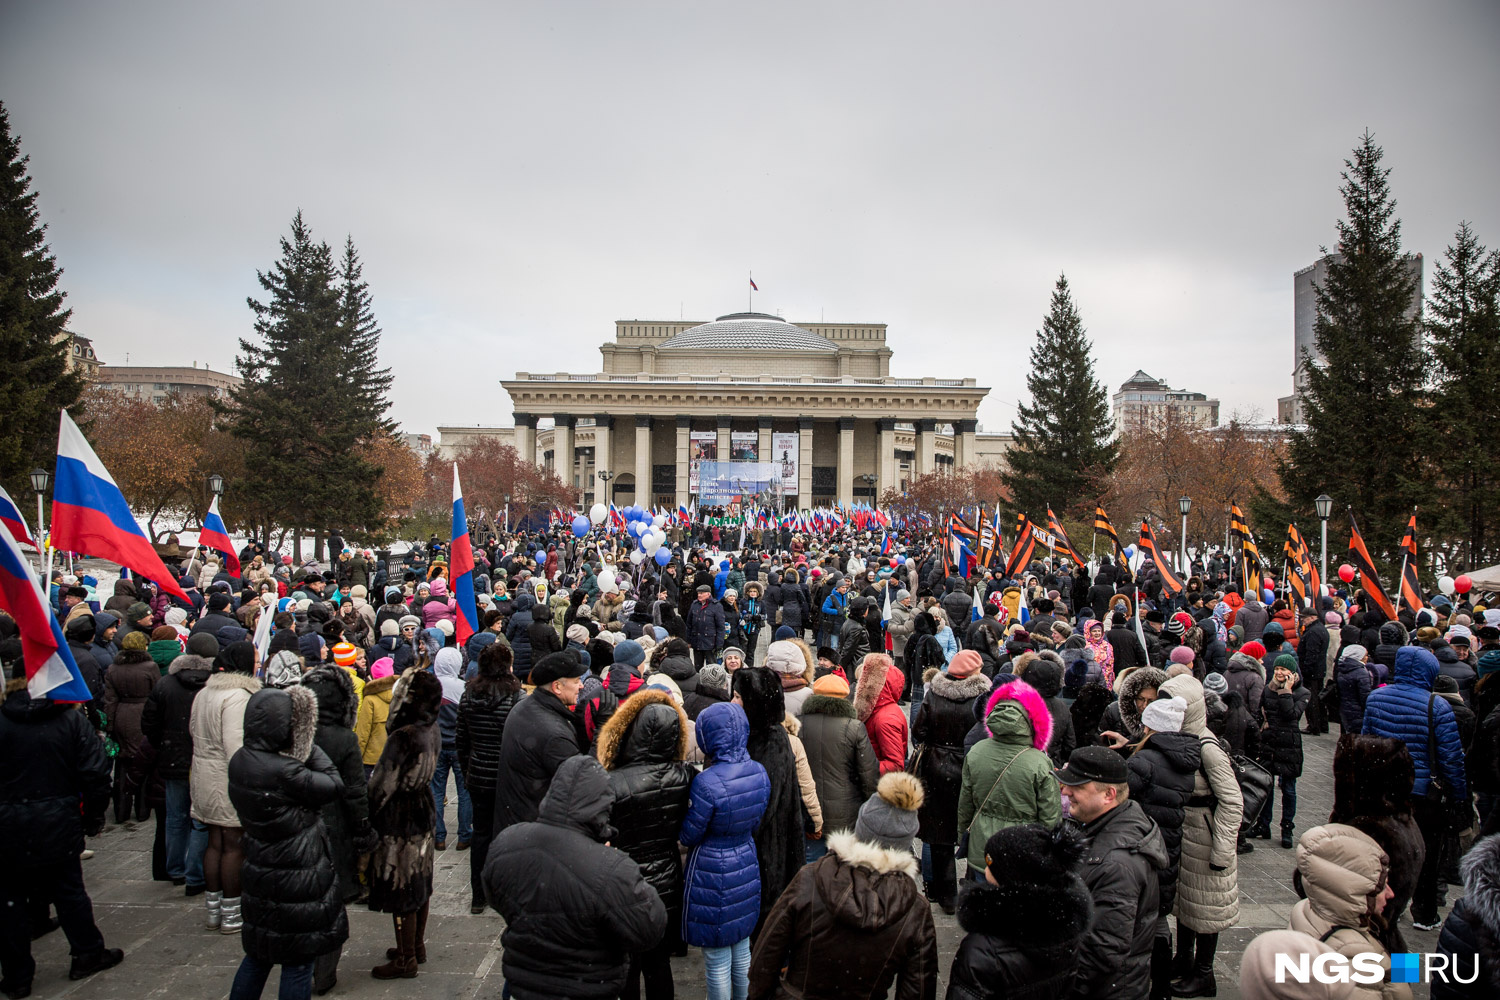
x=1411, y=592
x=461, y=570
x=10, y=516
x=1170, y=581
x=89, y=513
x=753, y=286
x=263, y=630
x=988, y=541
x=1368, y=578
x=1239, y=530
x=1063, y=546
x=216, y=536
x=1103, y=527
x=51, y=671
x=1020, y=555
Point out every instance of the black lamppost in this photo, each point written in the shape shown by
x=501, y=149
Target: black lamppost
x=1324, y=506
x=40, y=480
x=216, y=485
x=1184, y=504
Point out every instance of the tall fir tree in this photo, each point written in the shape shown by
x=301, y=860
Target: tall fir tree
x=312, y=401
x=1365, y=402
x=1463, y=325
x=1064, y=439
x=35, y=380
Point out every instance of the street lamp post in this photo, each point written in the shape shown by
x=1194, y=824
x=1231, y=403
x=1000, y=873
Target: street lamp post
x=1184, y=504
x=507, y=513
x=40, y=480
x=216, y=484
x=1324, y=506
x=604, y=476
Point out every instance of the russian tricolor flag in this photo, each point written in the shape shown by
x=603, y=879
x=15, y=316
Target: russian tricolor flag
x=50, y=669
x=10, y=516
x=461, y=570
x=216, y=536
x=89, y=513
x=886, y=545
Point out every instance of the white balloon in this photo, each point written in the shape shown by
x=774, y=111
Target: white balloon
x=637, y=556
x=605, y=579
x=1445, y=584
x=659, y=520
x=651, y=543
x=598, y=513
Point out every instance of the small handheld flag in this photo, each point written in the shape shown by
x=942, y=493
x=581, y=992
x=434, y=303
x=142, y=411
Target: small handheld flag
x=51, y=671
x=10, y=516
x=216, y=536
x=1368, y=578
x=461, y=572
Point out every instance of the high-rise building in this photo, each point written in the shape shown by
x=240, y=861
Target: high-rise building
x=1145, y=403
x=1304, y=316
x=155, y=384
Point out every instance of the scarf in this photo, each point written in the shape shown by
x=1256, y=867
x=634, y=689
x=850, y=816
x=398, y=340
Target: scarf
x=1104, y=653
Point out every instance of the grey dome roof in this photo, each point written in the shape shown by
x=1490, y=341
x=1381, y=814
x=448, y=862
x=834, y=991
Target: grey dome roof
x=748, y=331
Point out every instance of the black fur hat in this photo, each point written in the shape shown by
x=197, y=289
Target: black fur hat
x=761, y=694
x=1031, y=854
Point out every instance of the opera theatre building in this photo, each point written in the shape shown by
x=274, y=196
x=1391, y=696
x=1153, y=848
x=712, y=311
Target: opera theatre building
x=746, y=406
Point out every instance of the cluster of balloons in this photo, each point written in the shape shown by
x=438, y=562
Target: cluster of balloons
x=1451, y=584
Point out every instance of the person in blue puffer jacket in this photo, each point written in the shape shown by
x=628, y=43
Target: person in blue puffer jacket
x=721, y=892
x=518, y=634
x=1400, y=711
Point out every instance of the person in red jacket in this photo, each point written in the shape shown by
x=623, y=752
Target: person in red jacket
x=876, y=697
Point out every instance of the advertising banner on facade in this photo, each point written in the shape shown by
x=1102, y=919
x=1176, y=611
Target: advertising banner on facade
x=724, y=482
x=703, y=446
x=784, y=447
x=744, y=446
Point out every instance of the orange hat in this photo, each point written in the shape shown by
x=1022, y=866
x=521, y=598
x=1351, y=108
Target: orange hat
x=344, y=654
x=831, y=685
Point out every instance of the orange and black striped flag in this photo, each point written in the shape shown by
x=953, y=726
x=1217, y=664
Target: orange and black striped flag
x=1103, y=527
x=1369, y=579
x=1249, y=551
x=988, y=539
x=1063, y=547
x=1169, y=580
x=1411, y=593
x=1302, y=575
x=1020, y=555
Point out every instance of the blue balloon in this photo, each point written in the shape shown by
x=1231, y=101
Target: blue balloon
x=580, y=526
x=1130, y=552
x=900, y=560
x=1269, y=596
x=663, y=556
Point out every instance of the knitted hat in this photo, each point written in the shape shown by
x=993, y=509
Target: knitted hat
x=1333, y=618
x=1288, y=661
x=1165, y=715
x=344, y=654
x=629, y=653
x=889, y=817
x=785, y=657
x=1253, y=648
x=136, y=641
x=1216, y=682
x=1181, y=654
x=163, y=632
x=965, y=663
x=383, y=667
x=218, y=602
x=831, y=685
x=311, y=646
x=140, y=610
x=1032, y=856
x=1355, y=651
x=389, y=628
x=578, y=633
x=283, y=669
x=784, y=632
x=203, y=645
x=174, y=616
x=445, y=626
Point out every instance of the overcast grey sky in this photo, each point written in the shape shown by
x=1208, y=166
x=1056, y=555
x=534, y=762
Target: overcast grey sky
x=518, y=177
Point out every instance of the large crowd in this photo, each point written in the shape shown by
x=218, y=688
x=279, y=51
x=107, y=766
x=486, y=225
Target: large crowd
x=785, y=755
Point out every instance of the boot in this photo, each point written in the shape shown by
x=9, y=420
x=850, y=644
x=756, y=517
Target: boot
x=86, y=965
x=1200, y=983
x=404, y=964
x=215, y=901
x=1182, y=962
x=420, y=918
x=232, y=922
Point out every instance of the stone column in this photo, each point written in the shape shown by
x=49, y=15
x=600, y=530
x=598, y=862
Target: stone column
x=963, y=443
x=724, y=425
x=804, y=461
x=763, y=439
x=684, y=424
x=885, y=449
x=604, y=459
x=643, y=493
x=526, y=437
x=846, y=461
x=924, y=461
x=562, y=451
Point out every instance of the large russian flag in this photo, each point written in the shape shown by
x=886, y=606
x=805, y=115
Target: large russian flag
x=89, y=513
x=50, y=669
x=216, y=537
x=461, y=568
x=10, y=516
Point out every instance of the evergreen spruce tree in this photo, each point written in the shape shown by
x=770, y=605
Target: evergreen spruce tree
x=1364, y=407
x=1464, y=326
x=34, y=378
x=1064, y=438
x=313, y=401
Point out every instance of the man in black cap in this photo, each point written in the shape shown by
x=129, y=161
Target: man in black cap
x=541, y=732
x=216, y=615
x=1126, y=850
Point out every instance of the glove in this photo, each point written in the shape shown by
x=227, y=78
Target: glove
x=1218, y=868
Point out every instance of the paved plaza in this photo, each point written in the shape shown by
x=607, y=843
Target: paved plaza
x=169, y=954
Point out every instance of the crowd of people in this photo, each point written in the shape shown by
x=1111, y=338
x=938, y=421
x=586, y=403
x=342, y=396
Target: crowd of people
x=786, y=756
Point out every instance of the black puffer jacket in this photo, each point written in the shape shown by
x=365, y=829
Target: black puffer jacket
x=643, y=747
x=1281, y=740
x=1472, y=931
x=54, y=778
x=1120, y=869
x=168, y=709
x=279, y=783
x=480, y=730
x=540, y=733
x=946, y=715
x=574, y=908
x=347, y=817
x=518, y=634
x=1161, y=779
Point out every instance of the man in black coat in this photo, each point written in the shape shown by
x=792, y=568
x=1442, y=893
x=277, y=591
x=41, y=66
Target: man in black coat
x=574, y=907
x=705, y=626
x=1312, y=665
x=541, y=732
x=165, y=723
x=54, y=786
x=216, y=616
x=1125, y=852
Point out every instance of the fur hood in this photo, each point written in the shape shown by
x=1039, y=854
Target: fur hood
x=822, y=704
x=1043, y=920
x=223, y=681
x=1134, y=683
x=862, y=854
x=192, y=661
x=791, y=725
x=944, y=686
x=1481, y=871
x=1247, y=663
x=1043, y=670
x=1014, y=705
x=334, y=689
x=879, y=682
x=415, y=700
x=282, y=721
x=619, y=733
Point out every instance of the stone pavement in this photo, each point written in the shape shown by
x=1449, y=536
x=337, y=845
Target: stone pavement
x=169, y=954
